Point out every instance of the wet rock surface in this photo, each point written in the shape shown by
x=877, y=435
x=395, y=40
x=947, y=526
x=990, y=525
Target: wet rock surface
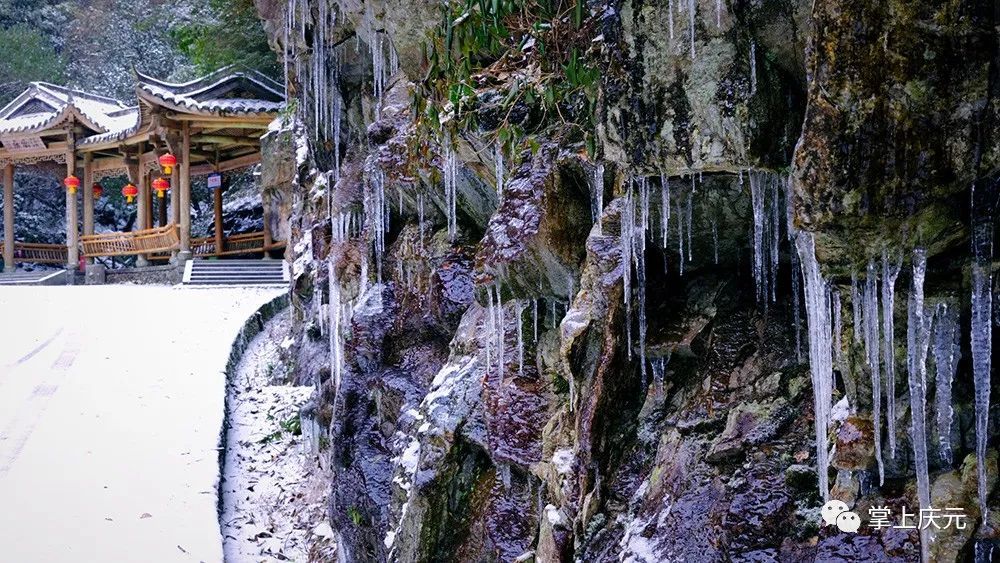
x=539, y=380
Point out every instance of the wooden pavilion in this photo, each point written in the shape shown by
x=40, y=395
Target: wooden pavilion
x=210, y=125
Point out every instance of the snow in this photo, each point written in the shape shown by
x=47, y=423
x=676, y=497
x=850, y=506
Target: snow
x=112, y=417
x=274, y=491
x=564, y=459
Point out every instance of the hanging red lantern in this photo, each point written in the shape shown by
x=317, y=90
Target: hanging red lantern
x=167, y=162
x=72, y=183
x=130, y=191
x=160, y=185
x=98, y=191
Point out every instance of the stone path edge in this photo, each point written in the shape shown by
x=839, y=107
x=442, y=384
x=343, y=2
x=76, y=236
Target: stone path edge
x=251, y=328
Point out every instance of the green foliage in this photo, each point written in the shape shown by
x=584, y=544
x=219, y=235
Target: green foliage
x=26, y=55
x=514, y=67
x=355, y=515
x=226, y=32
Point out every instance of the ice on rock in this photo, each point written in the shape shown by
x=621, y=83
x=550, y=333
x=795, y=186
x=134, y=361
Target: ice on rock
x=820, y=350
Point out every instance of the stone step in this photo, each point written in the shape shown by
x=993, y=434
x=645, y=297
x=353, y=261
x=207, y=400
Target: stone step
x=46, y=277
x=236, y=272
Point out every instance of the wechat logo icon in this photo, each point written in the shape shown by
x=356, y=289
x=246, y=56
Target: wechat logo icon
x=835, y=513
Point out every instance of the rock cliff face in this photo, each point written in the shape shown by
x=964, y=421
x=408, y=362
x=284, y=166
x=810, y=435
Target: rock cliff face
x=605, y=309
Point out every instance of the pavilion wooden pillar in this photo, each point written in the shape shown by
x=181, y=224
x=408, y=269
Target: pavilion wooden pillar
x=88, y=197
x=217, y=200
x=162, y=210
x=8, y=218
x=185, y=195
x=175, y=196
x=142, y=207
x=147, y=179
x=72, y=221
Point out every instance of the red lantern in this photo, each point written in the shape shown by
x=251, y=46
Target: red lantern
x=72, y=183
x=130, y=191
x=167, y=162
x=160, y=185
x=98, y=191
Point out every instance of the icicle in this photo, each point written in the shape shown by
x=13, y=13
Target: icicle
x=718, y=13
x=757, y=204
x=690, y=224
x=597, y=195
x=639, y=255
x=420, y=214
x=491, y=319
x=664, y=208
x=838, y=354
x=946, y=355
x=856, y=308
x=450, y=188
x=753, y=68
x=820, y=353
x=498, y=157
x=519, y=306
x=917, y=340
x=534, y=320
x=982, y=326
x=715, y=242
x=796, y=269
x=670, y=18
x=501, y=335
x=680, y=237
x=691, y=14
x=872, y=351
x=889, y=273
x=627, y=246
x=775, y=238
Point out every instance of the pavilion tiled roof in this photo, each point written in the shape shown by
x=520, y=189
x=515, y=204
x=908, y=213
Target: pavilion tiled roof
x=220, y=93
x=227, y=92
x=42, y=106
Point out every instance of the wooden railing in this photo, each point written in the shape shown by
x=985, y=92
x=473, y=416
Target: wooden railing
x=38, y=253
x=147, y=241
x=246, y=243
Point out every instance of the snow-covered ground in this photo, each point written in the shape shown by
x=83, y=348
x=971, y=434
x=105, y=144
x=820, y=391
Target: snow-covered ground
x=274, y=493
x=111, y=408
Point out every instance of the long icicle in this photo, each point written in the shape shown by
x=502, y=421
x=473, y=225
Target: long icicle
x=890, y=271
x=982, y=326
x=820, y=351
x=917, y=339
x=871, y=328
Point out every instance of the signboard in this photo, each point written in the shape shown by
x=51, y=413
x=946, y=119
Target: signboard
x=23, y=144
x=215, y=181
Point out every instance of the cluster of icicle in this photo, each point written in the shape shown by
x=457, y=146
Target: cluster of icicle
x=636, y=230
x=768, y=215
x=318, y=70
x=933, y=331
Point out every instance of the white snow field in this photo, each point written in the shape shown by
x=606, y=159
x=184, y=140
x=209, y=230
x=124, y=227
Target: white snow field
x=111, y=407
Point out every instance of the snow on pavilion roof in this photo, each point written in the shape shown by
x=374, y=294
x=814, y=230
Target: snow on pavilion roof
x=229, y=91
x=44, y=106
